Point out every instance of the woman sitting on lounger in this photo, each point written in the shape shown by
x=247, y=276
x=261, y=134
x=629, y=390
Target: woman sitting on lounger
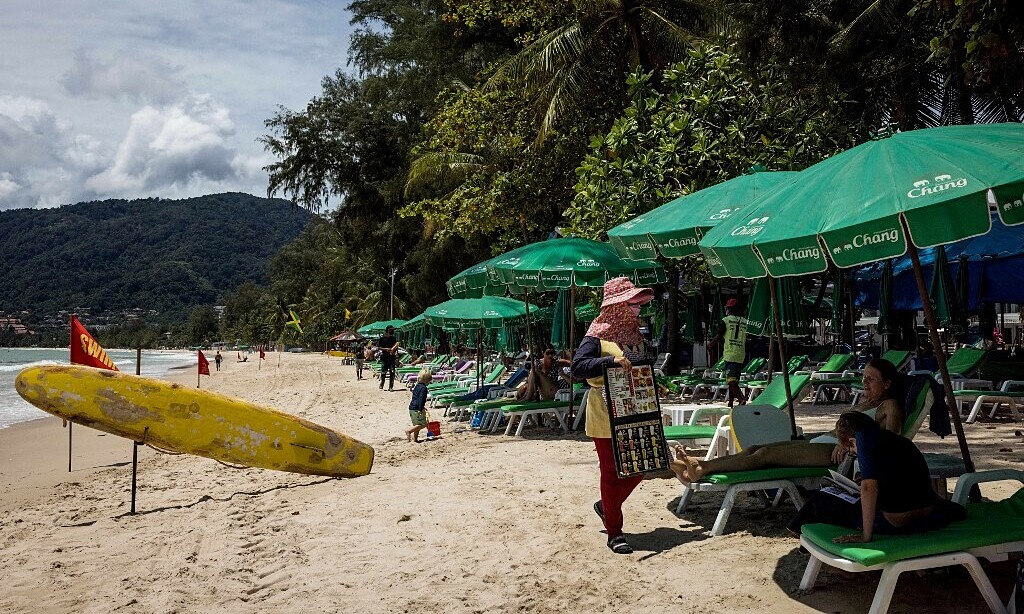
x=879, y=376
x=896, y=495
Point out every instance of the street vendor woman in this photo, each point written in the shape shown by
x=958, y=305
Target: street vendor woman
x=613, y=339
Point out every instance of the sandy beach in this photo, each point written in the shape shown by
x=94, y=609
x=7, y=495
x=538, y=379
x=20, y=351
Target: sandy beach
x=468, y=523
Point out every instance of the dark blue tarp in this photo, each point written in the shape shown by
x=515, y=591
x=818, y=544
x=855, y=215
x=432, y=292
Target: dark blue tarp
x=995, y=262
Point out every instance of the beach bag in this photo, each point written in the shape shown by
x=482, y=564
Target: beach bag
x=478, y=419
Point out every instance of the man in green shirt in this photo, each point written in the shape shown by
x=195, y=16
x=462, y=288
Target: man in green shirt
x=732, y=331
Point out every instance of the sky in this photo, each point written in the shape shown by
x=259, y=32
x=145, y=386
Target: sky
x=134, y=99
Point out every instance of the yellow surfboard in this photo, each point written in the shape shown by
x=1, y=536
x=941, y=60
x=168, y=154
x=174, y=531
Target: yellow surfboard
x=193, y=421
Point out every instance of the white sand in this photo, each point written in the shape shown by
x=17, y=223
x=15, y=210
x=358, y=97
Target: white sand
x=470, y=523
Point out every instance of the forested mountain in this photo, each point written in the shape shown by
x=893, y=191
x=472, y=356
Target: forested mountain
x=164, y=255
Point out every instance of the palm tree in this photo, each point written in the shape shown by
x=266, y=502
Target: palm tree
x=569, y=68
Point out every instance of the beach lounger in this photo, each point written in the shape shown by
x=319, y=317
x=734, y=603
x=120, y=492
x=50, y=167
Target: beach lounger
x=468, y=394
x=659, y=363
x=918, y=403
x=558, y=407
x=774, y=395
x=756, y=386
x=990, y=531
x=835, y=375
x=1008, y=394
x=749, y=371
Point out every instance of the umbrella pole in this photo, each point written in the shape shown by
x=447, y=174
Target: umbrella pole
x=782, y=354
x=572, y=347
x=529, y=336
x=940, y=355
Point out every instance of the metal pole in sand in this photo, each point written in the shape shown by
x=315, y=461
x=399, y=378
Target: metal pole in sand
x=135, y=469
x=70, y=424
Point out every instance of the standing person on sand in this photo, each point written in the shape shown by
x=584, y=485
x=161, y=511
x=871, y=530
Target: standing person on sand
x=732, y=330
x=613, y=339
x=388, y=350
x=360, y=356
x=218, y=359
x=418, y=405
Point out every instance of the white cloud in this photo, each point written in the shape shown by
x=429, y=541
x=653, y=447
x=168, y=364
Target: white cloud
x=134, y=76
x=174, y=145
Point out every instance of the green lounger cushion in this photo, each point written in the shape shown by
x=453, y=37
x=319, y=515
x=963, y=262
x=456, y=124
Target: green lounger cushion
x=987, y=523
x=965, y=360
x=775, y=393
x=897, y=357
x=515, y=407
x=1015, y=394
x=763, y=475
x=687, y=431
x=837, y=381
x=836, y=364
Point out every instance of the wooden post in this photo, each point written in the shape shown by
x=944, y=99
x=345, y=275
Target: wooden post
x=138, y=360
x=70, y=424
x=940, y=355
x=135, y=470
x=777, y=320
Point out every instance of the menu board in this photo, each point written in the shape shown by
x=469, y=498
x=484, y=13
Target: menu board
x=638, y=438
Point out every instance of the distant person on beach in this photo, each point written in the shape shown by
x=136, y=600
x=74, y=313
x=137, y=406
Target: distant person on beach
x=360, y=356
x=218, y=359
x=418, y=406
x=732, y=331
x=613, y=339
x=546, y=378
x=388, y=345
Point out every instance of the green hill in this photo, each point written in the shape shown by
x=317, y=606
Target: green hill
x=166, y=255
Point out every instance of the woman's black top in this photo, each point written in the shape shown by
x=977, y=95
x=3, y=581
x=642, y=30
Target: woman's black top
x=904, y=482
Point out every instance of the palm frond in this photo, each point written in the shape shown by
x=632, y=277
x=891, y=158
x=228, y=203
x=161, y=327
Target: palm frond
x=879, y=16
x=441, y=168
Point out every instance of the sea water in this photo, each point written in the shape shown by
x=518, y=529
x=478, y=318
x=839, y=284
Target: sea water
x=13, y=409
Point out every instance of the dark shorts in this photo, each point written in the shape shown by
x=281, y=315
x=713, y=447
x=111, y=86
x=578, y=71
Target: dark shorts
x=732, y=371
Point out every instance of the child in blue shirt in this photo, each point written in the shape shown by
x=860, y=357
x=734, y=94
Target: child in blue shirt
x=418, y=406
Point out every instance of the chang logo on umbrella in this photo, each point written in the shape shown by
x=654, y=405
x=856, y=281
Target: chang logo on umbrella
x=792, y=254
x=941, y=183
x=1012, y=204
x=509, y=261
x=637, y=246
x=588, y=262
x=685, y=241
x=490, y=313
x=723, y=214
x=751, y=228
x=631, y=223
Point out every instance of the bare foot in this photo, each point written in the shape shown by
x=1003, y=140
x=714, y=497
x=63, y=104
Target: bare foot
x=685, y=467
x=408, y=435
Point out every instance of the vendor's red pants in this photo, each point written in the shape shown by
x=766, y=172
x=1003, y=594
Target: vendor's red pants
x=614, y=490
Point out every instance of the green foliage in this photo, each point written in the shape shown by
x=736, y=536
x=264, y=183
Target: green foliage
x=583, y=60
x=202, y=327
x=524, y=19
x=156, y=254
x=479, y=177
x=704, y=122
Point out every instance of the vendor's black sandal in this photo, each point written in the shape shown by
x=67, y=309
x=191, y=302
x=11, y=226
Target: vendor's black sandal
x=619, y=545
x=599, y=510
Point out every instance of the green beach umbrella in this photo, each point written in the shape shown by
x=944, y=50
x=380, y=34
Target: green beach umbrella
x=570, y=262
x=562, y=321
x=885, y=325
x=472, y=314
x=859, y=205
x=475, y=282
x=695, y=308
x=888, y=196
x=673, y=229
x=943, y=294
x=791, y=309
x=963, y=285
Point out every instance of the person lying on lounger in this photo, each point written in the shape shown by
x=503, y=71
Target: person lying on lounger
x=879, y=376
x=896, y=495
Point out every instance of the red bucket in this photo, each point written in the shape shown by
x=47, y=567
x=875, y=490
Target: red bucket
x=433, y=429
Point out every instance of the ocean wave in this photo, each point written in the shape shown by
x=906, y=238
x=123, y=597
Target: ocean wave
x=25, y=365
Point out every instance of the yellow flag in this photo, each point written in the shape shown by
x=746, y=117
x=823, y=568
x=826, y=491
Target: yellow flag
x=295, y=322
x=348, y=314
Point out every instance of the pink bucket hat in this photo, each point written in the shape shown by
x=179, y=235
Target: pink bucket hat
x=621, y=290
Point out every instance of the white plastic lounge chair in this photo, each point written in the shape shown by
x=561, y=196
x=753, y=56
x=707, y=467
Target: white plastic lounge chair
x=990, y=531
x=558, y=407
x=1009, y=393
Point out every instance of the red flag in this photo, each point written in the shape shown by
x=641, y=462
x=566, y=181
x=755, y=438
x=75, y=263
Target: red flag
x=85, y=350
x=204, y=365
x=263, y=355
